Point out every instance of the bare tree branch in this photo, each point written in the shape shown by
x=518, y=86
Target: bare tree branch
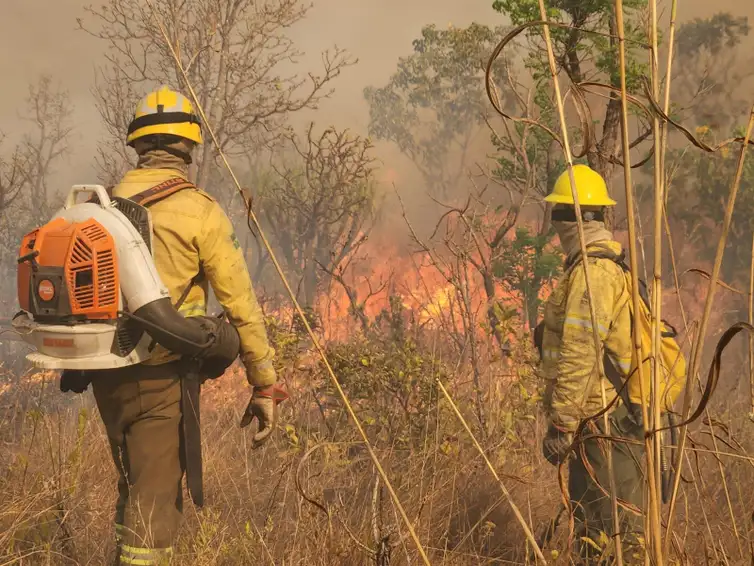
x=237, y=54
x=320, y=203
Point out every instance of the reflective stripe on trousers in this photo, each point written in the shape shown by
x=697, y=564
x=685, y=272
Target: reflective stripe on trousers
x=144, y=556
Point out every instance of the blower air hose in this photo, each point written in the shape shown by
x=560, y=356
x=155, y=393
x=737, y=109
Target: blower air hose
x=210, y=339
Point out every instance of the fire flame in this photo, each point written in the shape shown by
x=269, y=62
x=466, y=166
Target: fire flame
x=436, y=294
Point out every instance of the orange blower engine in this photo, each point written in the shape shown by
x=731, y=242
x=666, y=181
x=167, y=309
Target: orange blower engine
x=90, y=294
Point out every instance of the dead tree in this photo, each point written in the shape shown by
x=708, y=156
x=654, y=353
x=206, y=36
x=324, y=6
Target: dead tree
x=11, y=177
x=233, y=51
x=345, y=274
x=28, y=193
x=320, y=204
x=49, y=113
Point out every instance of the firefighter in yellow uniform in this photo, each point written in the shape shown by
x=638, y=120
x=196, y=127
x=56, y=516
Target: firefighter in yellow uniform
x=572, y=375
x=193, y=245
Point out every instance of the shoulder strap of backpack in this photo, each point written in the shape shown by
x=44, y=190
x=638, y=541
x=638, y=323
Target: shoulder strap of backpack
x=161, y=191
x=604, y=252
x=154, y=194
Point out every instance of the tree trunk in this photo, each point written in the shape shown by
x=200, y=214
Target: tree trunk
x=310, y=283
x=606, y=148
x=477, y=373
x=546, y=220
x=599, y=160
x=213, y=113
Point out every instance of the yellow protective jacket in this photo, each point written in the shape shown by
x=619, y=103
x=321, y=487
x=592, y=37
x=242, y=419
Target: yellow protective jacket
x=569, y=361
x=192, y=232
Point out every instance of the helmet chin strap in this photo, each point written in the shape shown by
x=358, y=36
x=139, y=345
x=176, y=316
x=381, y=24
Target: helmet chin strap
x=569, y=215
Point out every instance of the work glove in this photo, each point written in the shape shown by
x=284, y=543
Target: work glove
x=264, y=406
x=555, y=445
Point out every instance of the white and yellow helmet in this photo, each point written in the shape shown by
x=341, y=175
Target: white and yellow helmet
x=165, y=111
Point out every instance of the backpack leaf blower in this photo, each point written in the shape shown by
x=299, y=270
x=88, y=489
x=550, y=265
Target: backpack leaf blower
x=91, y=296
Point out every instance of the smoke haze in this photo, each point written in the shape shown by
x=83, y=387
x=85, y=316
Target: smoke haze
x=40, y=36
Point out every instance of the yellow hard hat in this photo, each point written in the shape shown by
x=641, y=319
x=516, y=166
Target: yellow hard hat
x=590, y=186
x=165, y=111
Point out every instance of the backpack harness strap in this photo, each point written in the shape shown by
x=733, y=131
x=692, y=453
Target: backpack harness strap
x=161, y=191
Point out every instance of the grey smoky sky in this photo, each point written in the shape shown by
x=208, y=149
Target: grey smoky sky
x=40, y=36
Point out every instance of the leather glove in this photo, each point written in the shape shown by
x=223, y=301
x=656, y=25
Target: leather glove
x=555, y=444
x=263, y=406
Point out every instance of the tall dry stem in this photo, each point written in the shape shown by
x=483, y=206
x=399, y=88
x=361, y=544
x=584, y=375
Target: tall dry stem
x=582, y=243
x=633, y=258
x=698, y=346
x=668, y=81
x=654, y=462
x=751, y=336
x=663, y=217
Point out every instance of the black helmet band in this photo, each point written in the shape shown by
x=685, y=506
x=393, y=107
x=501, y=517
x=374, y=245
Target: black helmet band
x=163, y=118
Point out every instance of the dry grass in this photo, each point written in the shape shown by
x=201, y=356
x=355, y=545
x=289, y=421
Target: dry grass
x=57, y=482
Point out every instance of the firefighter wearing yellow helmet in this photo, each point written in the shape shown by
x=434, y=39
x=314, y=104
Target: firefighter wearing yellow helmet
x=570, y=365
x=149, y=409
x=162, y=114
